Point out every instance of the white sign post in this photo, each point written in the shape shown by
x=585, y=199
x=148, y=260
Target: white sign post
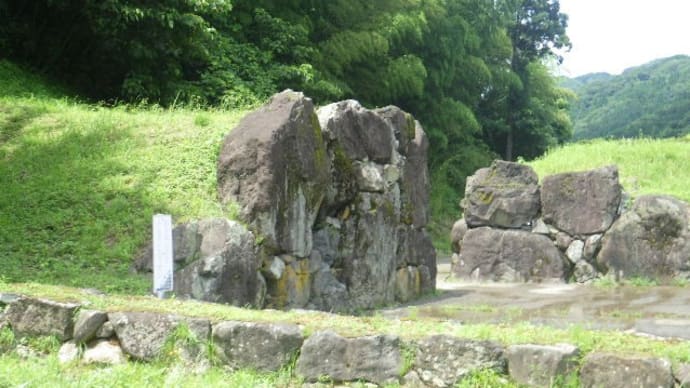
x=162, y=254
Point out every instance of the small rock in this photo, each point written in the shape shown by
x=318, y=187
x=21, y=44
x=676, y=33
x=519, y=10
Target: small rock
x=7, y=298
x=87, y=325
x=584, y=272
x=575, y=251
x=104, y=352
x=457, y=234
x=592, y=246
x=105, y=331
x=369, y=177
x=69, y=351
x=540, y=227
x=275, y=269
x=563, y=240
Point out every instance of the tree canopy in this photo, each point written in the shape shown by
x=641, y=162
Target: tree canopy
x=472, y=71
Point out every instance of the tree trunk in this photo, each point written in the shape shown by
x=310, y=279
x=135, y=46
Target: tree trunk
x=509, y=146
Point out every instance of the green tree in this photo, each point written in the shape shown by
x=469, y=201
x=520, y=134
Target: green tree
x=536, y=29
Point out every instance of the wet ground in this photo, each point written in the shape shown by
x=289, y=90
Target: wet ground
x=662, y=311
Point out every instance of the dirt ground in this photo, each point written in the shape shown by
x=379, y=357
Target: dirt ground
x=662, y=311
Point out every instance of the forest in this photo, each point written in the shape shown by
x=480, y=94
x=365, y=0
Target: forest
x=476, y=73
x=646, y=101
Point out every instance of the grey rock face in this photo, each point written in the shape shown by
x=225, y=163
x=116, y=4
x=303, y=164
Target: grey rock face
x=443, y=361
x=651, y=240
x=37, y=317
x=362, y=133
x=265, y=347
x=226, y=270
x=504, y=195
x=274, y=164
x=542, y=366
x=87, y=325
x=376, y=359
x=509, y=256
x=369, y=267
x=327, y=293
x=581, y=203
x=415, y=180
x=605, y=370
x=142, y=335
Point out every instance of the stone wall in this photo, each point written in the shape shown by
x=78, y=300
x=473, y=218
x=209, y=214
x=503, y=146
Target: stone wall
x=102, y=337
x=336, y=205
x=574, y=227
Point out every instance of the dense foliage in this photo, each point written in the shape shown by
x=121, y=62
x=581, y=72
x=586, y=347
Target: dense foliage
x=472, y=71
x=652, y=100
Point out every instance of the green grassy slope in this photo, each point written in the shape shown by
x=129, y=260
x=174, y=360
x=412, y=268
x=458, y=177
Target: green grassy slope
x=646, y=166
x=79, y=183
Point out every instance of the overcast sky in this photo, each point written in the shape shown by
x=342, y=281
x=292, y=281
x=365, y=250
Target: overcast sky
x=612, y=35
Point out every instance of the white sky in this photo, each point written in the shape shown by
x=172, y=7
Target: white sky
x=612, y=35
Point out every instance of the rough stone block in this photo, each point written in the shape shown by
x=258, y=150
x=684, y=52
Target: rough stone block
x=542, y=366
x=375, y=359
x=260, y=346
x=610, y=371
x=37, y=317
x=581, y=203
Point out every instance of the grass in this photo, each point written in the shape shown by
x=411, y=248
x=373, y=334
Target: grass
x=80, y=182
x=646, y=166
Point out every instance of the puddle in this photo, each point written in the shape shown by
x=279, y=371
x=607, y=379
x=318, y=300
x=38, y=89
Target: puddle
x=659, y=311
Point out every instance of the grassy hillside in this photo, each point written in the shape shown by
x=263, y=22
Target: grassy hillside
x=652, y=100
x=646, y=166
x=80, y=182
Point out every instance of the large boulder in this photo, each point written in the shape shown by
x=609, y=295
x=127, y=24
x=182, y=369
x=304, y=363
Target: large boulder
x=377, y=359
x=651, y=240
x=581, y=203
x=225, y=267
x=38, y=317
x=504, y=195
x=509, y=256
x=339, y=199
x=275, y=166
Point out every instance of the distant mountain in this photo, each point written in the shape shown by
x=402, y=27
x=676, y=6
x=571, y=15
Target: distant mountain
x=651, y=100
